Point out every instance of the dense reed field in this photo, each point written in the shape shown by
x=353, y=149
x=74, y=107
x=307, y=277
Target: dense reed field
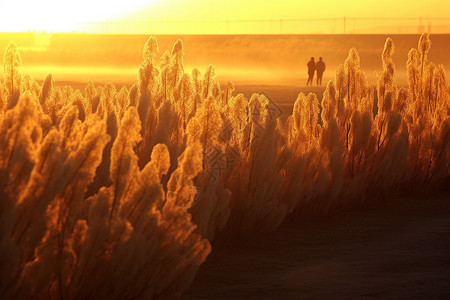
x=117, y=193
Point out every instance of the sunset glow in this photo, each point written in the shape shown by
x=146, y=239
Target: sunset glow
x=225, y=17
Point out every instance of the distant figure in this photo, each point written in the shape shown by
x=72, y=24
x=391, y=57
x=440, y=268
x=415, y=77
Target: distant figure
x=320, y=67
x=311, y=69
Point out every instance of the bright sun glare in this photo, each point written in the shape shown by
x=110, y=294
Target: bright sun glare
x=61, y=15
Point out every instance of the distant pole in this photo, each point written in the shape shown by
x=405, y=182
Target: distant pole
x=210, y=9
x=345, y=31
x=210, y=15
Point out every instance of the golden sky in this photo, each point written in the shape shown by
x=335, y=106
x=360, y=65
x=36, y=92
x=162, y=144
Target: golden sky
x=229, y=16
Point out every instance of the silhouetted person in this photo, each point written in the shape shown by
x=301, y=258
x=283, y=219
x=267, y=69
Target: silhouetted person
x=320, y=67
x=311, y=69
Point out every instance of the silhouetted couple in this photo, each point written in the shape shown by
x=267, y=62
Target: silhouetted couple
x=313, y=67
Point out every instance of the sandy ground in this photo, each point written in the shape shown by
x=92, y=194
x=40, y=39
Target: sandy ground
x=399, y=250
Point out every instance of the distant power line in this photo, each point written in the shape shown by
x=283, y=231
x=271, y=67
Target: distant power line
x=277, y=26
x=281, y=19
